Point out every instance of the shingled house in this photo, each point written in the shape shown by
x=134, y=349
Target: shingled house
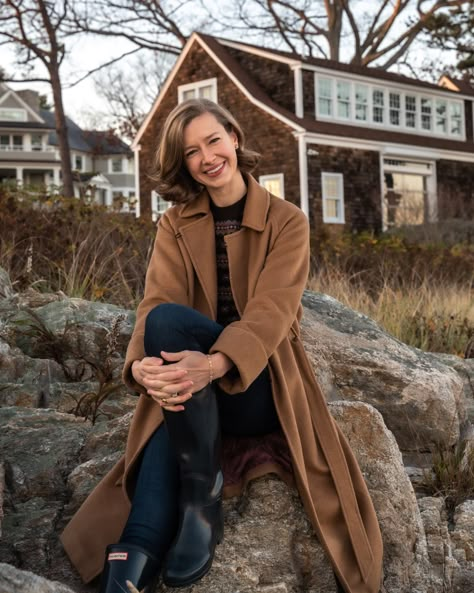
x=356, y=148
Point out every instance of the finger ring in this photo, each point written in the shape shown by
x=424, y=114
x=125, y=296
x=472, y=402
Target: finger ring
x=164, y=400
x=174, y=394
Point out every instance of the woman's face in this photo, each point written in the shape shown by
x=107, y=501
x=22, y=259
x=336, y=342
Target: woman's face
x=209, y=152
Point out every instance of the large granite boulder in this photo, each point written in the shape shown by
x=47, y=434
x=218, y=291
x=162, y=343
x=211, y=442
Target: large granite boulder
x=420, y=398
x=62, y=431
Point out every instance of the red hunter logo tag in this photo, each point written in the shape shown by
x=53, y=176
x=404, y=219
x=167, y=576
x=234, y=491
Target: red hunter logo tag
x=117, y=556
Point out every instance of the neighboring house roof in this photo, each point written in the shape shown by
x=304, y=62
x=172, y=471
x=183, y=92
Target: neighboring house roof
x=105, y=142
x=255, y=93
x=90, y=141
x=461, y=85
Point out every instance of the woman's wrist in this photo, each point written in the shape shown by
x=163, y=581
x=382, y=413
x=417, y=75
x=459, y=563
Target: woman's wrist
x=219, y=365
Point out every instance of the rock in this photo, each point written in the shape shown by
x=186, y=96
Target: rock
x=465, y=369
x=420, y=398
x=406, y=562
x=13, y=580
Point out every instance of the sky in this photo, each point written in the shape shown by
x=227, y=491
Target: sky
x=82, y=102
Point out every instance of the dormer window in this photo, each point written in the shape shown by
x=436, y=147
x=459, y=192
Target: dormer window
x=340, y=99
x=11, y=114
x=203, y=89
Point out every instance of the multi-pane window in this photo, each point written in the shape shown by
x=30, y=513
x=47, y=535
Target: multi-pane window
x=11, y=114
x=274, y=184
x=441, y=116
x=364, y=103
x=426, y=114
x=455, y=118
x=394, y=109
x=202, y=89
x=325, y=96
x=343, y=99
x=361, y=102
x=378, y=106
x=78, y=162
x=36, y=142
x=17, y=142
x=117, y=165
x=410, y=111
x=333, y=197
x=4, y=141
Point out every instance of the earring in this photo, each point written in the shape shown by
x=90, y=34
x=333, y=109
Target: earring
x=236, y=146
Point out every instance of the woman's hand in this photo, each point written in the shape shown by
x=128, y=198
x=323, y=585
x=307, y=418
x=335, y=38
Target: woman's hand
x=163, y=384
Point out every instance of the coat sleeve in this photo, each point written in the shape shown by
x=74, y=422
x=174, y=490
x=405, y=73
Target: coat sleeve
x=165, y=282
x=270, y=312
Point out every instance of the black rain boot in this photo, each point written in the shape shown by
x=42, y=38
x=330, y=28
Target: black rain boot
x=195, y=436
x=128, y=562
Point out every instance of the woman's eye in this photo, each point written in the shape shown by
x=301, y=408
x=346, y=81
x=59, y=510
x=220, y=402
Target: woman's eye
x=216, y=139
x=189, y=153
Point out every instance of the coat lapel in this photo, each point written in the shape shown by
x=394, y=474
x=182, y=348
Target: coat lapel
x=197, y=233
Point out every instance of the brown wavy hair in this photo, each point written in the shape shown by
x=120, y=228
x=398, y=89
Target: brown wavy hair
x=174, y=183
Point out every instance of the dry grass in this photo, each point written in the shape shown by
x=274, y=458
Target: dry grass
x=428, y=315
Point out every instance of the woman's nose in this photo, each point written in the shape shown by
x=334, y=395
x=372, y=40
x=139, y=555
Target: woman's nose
x=207, y=155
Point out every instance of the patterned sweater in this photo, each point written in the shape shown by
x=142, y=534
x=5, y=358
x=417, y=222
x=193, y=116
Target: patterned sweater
x=227, y=220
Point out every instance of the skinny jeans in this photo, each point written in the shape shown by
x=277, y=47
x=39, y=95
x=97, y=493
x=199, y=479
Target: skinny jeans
x=153, y=518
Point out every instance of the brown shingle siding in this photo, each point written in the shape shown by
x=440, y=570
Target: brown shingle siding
x=455, y=182
x=275, y=78
x=362, y=197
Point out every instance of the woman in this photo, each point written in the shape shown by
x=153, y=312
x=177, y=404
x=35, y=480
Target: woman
x=216, y=347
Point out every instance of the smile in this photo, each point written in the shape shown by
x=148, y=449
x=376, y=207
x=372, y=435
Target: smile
x=215, y=170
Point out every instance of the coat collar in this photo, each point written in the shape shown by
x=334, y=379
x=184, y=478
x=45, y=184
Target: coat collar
x=256, y=205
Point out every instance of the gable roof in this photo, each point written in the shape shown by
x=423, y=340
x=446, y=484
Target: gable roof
x=333, y=65
x=6, y=91
x=217, y=49
x=462, y=85
x=105, y=142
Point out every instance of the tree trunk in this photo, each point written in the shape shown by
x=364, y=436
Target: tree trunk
x=62, y=133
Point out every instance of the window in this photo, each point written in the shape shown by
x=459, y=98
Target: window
x=394, y=109
x=455, y=117
x=274, y=184
x=78, y=163
x=333, y=197
x=17, y=142
x=325, y=96
x=343, y=99
x=117, y=165
x=36, y=142
x=158, y=205
x=4, y=141
x=441, y=113
x=426, y=114
x=10, y=114
x=378, y=106
x=410, y=111
x=203, y=89
x=361, y=102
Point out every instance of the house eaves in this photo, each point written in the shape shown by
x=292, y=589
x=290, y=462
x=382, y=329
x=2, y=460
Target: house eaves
x=235, y=72
x=324, y=65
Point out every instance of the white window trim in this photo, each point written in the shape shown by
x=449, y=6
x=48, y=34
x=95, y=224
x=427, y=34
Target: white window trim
x=418, y=130
x=111, y=168
x=23, y=111
x=279, y=176
x=326, y=217
x=155, y=211
x=212, y=82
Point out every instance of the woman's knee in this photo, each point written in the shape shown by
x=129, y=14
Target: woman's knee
x=164, y=316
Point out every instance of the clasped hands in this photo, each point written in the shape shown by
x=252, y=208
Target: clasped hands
x=172, y=384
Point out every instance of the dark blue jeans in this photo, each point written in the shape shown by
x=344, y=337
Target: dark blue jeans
x=152, y=521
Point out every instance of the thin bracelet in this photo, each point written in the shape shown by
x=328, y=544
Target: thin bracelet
x=211, y=370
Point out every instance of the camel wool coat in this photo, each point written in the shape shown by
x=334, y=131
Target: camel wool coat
x=268, y=264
